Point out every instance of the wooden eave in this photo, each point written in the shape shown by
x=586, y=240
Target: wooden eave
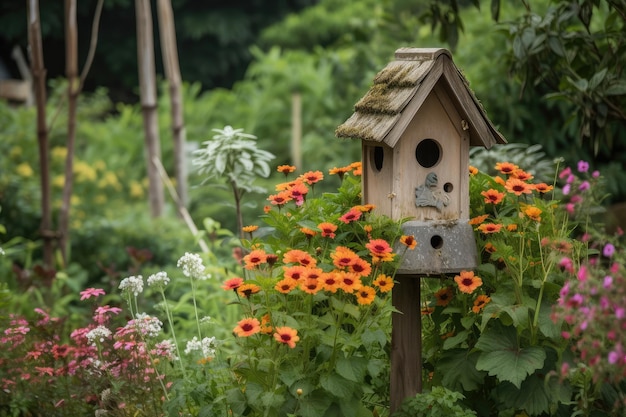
x=400, y=89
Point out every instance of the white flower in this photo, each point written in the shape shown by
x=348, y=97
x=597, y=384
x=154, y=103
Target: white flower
x=99, y=333
x=160, y=279
x=132, y=285
x=146, y=325
x=192, y=266
x=207, y=346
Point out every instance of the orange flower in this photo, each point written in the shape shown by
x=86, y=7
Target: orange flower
x=478, y=219
x=308, y=232
x=357, y=169
x=543, y=187
x=267, y=209
x=287, y=335
x=285, y=186
x=522, y=175
x=343, y=257
x=473, y=170
x=489, y=248
x=255, y=258
x=232, y=284
x=286, y=169
x=313, y=273
x=365, y=208
x=499, y=180
x=296, y=272
x=409, y=241
x=300, y=257
x=330, y=282
x=365, y=295
x=340, y=171
x=328, y=229
x=361, y=267
x=467, y=282
x=480, y=302
x=506, y=168
x=387, y=257
x=378, y=247
x=517, y=187
x=533, y=213
x=349, y=281
x=247, y=327
x=444, y=296
x=246, y=290
x=310, y=285
x=427, y=310
x=352, y=215
x=298, y=192
x=312, y=177
x=280, y=199
x=286, y=285
x=383, y=282
x=250, y=229
x=266, y=324
x=489, y=228
x=492, y=196
x=368, y=229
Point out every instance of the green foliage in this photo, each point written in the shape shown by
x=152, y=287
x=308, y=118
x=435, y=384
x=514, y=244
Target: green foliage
x=439, y=402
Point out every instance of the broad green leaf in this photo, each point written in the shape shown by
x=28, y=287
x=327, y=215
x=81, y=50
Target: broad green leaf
x=616, y=88
x=533, y=396
x=336, y=385
x=352, y=368
x=502, y=357
x=370, y=337
x=458, y=370
x=314, y=404
x=597, y=78
x=456, y=340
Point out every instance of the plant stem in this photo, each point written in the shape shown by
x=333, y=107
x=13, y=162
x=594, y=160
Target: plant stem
x=171, y=322
x=195, y=307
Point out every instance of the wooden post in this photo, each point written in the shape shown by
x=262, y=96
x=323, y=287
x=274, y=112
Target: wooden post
x=296, y=129
x=406, y=340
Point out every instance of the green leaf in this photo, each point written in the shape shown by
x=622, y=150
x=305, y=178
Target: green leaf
x=502, y=357
x=370, y=337
x=456, y=340
x=458, y=370
x=236, y=401
x=336, y=385
x=352, y=368
x=597, y=78
x=616, y=88
x=315, y=404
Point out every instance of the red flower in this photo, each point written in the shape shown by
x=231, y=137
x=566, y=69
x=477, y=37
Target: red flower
x=232, y=284
x=378, y=247
x=328, y=229
x=352, y=215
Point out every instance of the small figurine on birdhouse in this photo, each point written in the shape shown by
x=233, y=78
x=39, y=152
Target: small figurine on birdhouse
x=416, y=124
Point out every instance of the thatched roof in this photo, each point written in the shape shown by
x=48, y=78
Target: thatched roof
x=401, y=88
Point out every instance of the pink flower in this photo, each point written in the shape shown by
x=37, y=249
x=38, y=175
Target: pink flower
x=352, y=215
x=583, y=166
x=582, y=274
x=567, y=171
x=620, y=313
x=608, y=250
x=584, y=186
x=91, y=292
x=595, y=174
x=566, y=189
x=608, y=282
x=613, y=357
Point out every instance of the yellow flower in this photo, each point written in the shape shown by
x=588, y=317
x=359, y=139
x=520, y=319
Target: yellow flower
x=100, y=165
x=136, y=190
x=84, y=172
x=59, y=153
x=24, y=170
x=533, y=213
x=58, y=181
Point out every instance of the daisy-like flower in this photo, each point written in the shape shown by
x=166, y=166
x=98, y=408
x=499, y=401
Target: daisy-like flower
x=280, y=199
x=522, y=175
x=357, y=168
x=488, y=228
x=349, y=282
x=408, y=241
x=533, y=213
x=310, y=285
x=444, y=296
x=308, y=232
x=266, y=324
x=378, y=247
x=232, y=283
x=250, y=229
x=365, y=295
x=468, y=282
x=492, y=196
x=287, y=336
x=327, y=229
x=132, y=284
x=361, y=267
x=478, y=219
x=365, y=208
x=255, y=258
x=286, y=169
x=286, y=285
x=510, y=227
x=91, y=292
x=312, y=177
x=246, y=290
x=330, y=282
x=300, y=257
x=383, y=282
x=343, y=257
x=247, y=327
x=480, y=302
x=387, y=257
x=351, y=216
x=473, y=170
x=506, y=168
x=543, y=187
x=489, y=248
x=298, y=192
x=295, y=272
x=159, y=280
x=340, y=172
x=518, y=187
x=191, y=264
x=313, y=273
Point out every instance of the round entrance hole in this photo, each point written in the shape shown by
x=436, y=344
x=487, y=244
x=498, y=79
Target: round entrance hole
x=428, y=153
x=448, y=187
x=436, y=242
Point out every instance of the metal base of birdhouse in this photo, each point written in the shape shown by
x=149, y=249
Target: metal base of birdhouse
x=443, y=247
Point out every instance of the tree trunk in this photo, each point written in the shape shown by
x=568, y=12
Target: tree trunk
x=147, y=89
x=172, y=72
x=39, y=84
x=73, y=86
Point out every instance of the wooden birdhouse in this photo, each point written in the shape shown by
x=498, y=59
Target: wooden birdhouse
x=416, y=124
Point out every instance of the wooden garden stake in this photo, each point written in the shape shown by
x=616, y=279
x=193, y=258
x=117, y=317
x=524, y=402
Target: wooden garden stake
x=416, y=125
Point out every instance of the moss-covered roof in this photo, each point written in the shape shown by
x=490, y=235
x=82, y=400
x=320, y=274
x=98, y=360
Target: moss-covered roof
x=412, y=76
